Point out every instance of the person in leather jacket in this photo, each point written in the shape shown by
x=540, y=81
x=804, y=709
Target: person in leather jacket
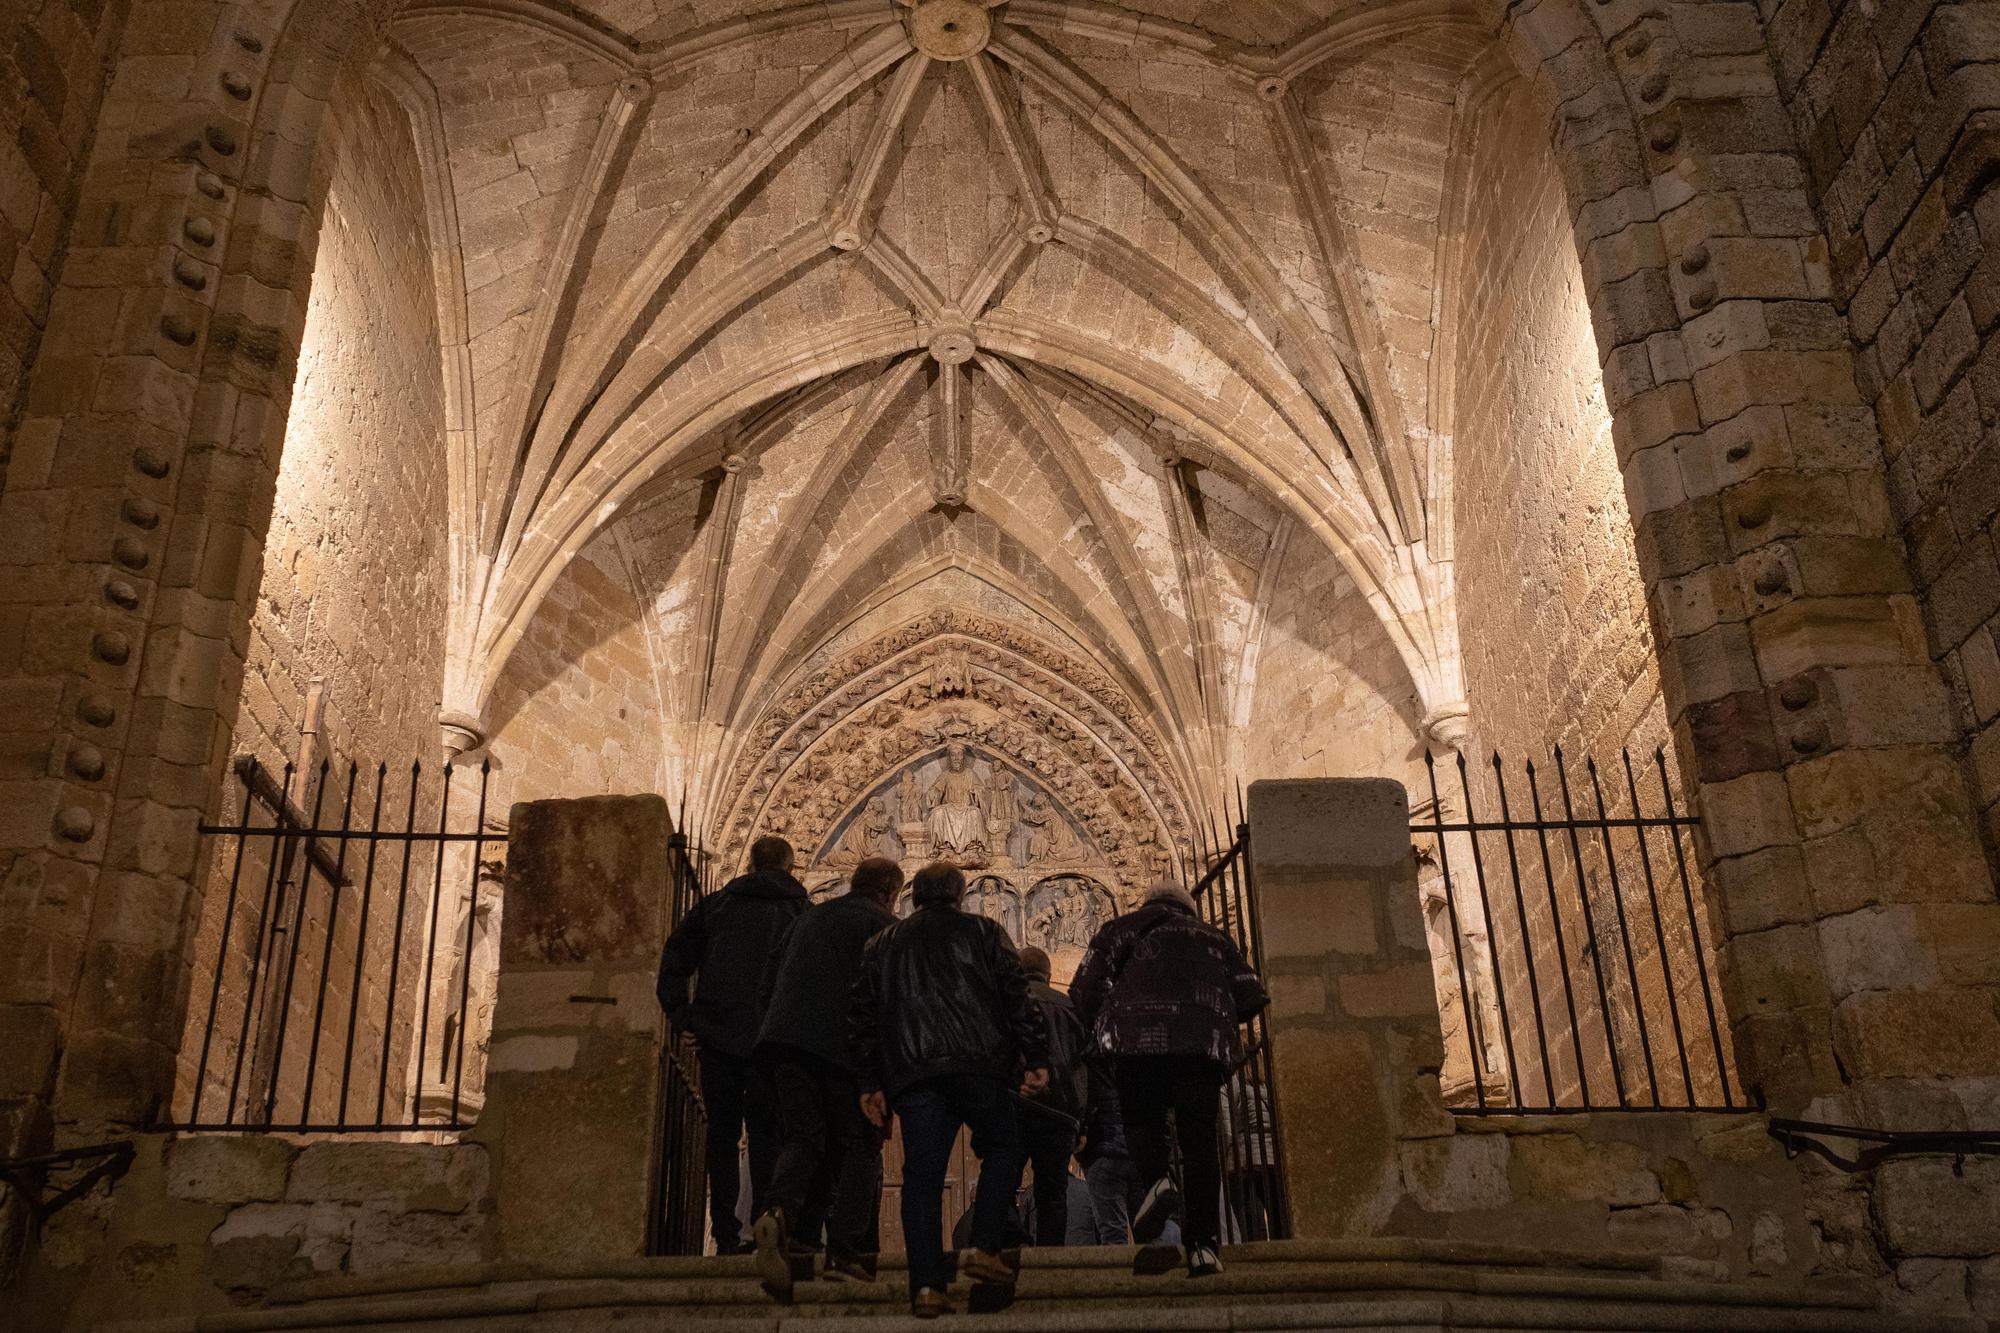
x=723, y=946
x=943, y=1031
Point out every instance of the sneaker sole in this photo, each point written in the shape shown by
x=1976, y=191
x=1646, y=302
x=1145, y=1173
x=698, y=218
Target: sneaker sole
x=1149, y=1222
x=773, y=1264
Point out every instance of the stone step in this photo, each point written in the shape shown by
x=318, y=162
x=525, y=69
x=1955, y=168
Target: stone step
x=1287, y=1286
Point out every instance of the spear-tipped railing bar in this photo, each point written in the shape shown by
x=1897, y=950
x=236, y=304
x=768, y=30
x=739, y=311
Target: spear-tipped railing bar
x=1660, y=938
x=1694, y=935
x=1624, y=934
x=1475, y=1043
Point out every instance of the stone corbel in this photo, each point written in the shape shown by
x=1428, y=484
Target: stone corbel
x=1448, y=725
x=460, y=732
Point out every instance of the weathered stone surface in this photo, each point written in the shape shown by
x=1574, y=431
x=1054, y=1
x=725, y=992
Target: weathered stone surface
x=1564, y=1166
x=585, y=880
x=397, y=1177
x=1926, y=1206
x=228, y=1169
x=1460, y=1173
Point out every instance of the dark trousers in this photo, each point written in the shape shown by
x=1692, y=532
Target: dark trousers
x=1048, y=1140
x=829, y=1170
x=1149, y=1086
x=735, y=1098
x=931, y=1113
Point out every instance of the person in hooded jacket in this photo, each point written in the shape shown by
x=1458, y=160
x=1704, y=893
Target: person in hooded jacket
x=943, y=1032
x=1166, y=994
x=1049, y=1120
x=829, y=1170
x=723, y=946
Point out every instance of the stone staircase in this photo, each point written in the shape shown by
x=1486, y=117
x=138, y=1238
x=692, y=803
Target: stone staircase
x=1295, y=1285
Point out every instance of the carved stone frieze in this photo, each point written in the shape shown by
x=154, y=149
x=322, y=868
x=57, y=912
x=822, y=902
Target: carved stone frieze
x=1062, y=705
x=850, y=764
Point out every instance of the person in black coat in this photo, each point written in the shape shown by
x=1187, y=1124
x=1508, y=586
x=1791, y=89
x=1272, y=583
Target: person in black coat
x=724, y=946
x=1049, y=1120
x=829, y=1170
x=943, y=1031
x=1166, y=994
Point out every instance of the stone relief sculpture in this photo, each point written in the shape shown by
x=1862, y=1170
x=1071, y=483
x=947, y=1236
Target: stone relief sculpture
x=1065, y=718
x=955, y=811
x=867, y=836
x=1050, y=838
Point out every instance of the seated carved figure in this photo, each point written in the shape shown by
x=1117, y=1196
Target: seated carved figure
x=956, y=817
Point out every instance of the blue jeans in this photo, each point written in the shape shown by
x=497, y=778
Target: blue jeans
x=1116, y=1190
x=931, y=1113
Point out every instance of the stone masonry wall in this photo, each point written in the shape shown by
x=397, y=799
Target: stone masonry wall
x=202, y=1224
x=577, y=711
x=1898, y=108
x=1332, y=697
x=1552, y=613
x=355, y=573
x=352, y=594
x=52, y=77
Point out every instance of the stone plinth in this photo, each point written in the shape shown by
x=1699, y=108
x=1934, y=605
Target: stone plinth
x=571, y=1077
x=1354, y=1017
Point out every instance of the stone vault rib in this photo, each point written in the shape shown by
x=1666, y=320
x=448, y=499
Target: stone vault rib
x=558, y=287
x=796, y=526
x=562, y=528
x=1269, y=300
x=1182, y=689
x=597, y=350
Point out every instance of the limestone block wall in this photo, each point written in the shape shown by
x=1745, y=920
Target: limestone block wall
x=578, y=711
x=53, y=69
x=352, y=596
x=202, y=1224
x=355, y=577
x=1551, y=609
x=1331, y=697
x=1898, y=113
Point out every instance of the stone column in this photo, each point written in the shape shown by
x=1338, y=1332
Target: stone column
x=572, y=1071
x=1354, y=1017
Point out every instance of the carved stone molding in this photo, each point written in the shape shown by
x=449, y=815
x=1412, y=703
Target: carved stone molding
x=1069, y=699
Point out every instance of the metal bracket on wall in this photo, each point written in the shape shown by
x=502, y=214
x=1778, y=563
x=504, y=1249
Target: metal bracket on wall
x=1808, y=1136
x=29, y=1175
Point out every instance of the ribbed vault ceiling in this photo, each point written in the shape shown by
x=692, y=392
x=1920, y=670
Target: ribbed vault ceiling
x=821, y=329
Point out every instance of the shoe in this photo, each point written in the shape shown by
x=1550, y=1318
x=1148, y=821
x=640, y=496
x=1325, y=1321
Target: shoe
x=1203, y=1261
x=985, y=1266
x=847, y=1268
x=1160, y=1204
x=774, y=1253
x=929, y=1303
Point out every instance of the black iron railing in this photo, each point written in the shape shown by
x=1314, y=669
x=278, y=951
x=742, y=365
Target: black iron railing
x=333, y=975
x=679, y=1221
x=1256, y=1201
x=1880, y=1145
x=1579, y=974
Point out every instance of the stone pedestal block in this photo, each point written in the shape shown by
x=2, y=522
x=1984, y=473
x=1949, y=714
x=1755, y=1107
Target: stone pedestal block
x=572, y=1075
x=1354, y=1017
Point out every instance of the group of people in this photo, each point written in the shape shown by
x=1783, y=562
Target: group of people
x=816, y=1027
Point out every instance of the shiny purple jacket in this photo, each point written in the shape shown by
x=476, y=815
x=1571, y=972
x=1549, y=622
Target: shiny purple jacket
x=1161, y=981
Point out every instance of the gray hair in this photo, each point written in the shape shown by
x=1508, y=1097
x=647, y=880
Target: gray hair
x=1170, y=891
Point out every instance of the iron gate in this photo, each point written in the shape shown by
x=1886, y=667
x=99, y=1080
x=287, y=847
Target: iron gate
x=1256, y=1202
x=1579, y=977
x=678, y=1222
x=336, y=959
